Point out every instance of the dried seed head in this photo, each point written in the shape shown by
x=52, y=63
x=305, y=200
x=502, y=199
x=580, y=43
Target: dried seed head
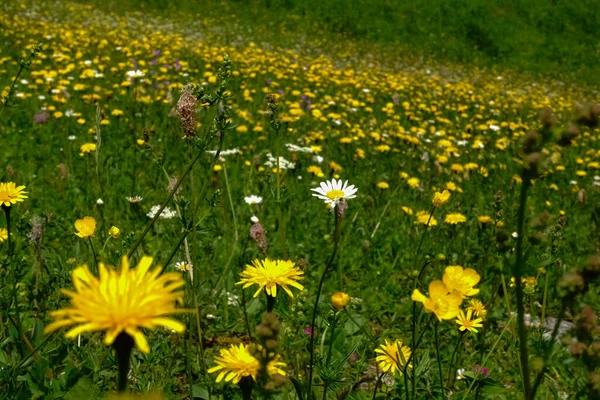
x=186, y=109
x=258, y=234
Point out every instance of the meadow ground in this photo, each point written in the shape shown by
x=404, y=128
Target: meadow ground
x=198, y=207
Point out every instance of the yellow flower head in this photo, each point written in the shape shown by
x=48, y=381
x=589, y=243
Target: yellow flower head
x=467, y=322
x=383, y=185
x=236, y=362
x=123, y=301
x=441, y=301
x=455, y=218
x=114, y=232
x=439, y=199
x=340, y=300
x=86, y=227
x=461, y=281
x=485, y=219
x=3, y=235
x=269, y=274
x=477, y=307
x=11, y=194
x=390, y=358
x=425, y=216
x=87, y=148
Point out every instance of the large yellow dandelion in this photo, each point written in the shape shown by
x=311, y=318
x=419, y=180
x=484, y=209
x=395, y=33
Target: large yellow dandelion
x=392, y=357
x=10, y=194
x=236, y=362
x=268, y=274
x=123, y=301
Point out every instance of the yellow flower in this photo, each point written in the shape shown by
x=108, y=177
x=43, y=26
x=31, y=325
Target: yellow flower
x=10, y=194
x=413, y=182
x=383, y=185
x=441, y=301
x=455, y=218
x=121, y=302
x=236, y=362
x=439, y=199
x=390, y=358
x=217, y=168
x=477, y=307
x=485, y=219
x=467, y=323
x=268, y=274
x=340, y=300
x=407, y=210
x=86, y=227
x=3, y=235
x=424, y=216
x=461, y=281
x=114, y=232
x=87, y=148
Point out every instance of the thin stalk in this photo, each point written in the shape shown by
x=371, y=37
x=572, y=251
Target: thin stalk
x=450, y=371
x=416, y=282
x=123, y=345
x=507, y=302
x=175, y=249
x=14, y=276
x=336, y=241
x=377, y=384
x=519, y=266
x=439, y=361
x=331, y=337
x=540, y=375
x=383, y=212
x=488, y=356
x=93, y=253
x=270, y=303
x=544, y=301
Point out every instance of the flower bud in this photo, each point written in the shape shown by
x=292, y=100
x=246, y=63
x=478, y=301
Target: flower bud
x=114, y=232
x=340, y=300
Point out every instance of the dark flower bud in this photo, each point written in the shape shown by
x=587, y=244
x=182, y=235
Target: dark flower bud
x=547, y=118
x=531, y=140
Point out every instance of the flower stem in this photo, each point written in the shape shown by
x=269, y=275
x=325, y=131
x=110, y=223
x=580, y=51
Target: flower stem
x=336, y=241
x=450, y=371
x=93, y=253
x=270, y=303
x=377, y=384
x=518, y=269
x=123, y=345
x=331, y=337
x=488, y=356
x=439, y=361
x=14, y=276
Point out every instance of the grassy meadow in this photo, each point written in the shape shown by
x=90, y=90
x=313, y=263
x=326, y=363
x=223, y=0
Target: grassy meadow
x=299, y=200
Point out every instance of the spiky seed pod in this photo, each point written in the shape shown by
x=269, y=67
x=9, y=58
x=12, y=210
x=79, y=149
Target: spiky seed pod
x=186, y=109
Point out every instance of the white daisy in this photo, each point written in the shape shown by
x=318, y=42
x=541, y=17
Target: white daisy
x=253, y=199
x=460, y=373
x=183, y=266
x=135, y=74
x=135, y=199
x=333, y=191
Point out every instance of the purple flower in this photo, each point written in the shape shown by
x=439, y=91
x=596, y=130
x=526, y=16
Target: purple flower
x=153, y=62
x=308, y=331
x=482, y=371
x=280, y=91
x=269, y=81
x=177, y=65
x=40, y=118
x=156, y=53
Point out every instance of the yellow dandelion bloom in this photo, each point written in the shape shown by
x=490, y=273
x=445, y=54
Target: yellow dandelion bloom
x=441, y=301
x=413, y=182
x=461, y=281
x=390, y=358
x=268, y=274
x=236, y=362
x=383, y=185
x=87, y=148
x=467, y=322
x=485, y=219
x=3, y=235
x=424, y=216
x=10, y=194
x=477, y=307
x=455, y=218
x=86, y=227
x=440, y=198
x=123, y=301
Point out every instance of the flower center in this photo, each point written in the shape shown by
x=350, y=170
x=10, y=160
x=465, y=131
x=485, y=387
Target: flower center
x=335, y=194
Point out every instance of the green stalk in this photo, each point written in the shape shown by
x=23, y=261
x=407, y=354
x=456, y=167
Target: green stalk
x=123, y=345
x=518, y=269
x=93, y=253
x=376, y=385
x=336, y=240
x=14, y=276
x=450, y=371
x=544, y=301
x=439, y=361
x=488, y=356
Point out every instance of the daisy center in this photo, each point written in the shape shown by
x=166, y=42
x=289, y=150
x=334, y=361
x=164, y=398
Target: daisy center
x=335, y=194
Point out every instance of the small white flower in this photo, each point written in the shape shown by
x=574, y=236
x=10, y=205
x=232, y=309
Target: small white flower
x=135, y=73
x=254, y=219
x=460, y=373
x=135, y=199
x=72, y=137
x=69, y=113
x=100, y=202
x=183, y=266
x=573, y=182
x=318, y=159
x=495, y=128
x=253, y=199
x=515, y=235
x=298, y=149
x=166, y=213
x=333, y=191
x=283, y=163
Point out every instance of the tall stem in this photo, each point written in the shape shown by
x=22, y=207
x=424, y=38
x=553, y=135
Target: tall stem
x=270, y=303
x=93, y=253
x=451, y=369
x=439, y=361
x=377, y=384
x=14, y=276
x=336, y=241
x=123, y=345
x=518, y=269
